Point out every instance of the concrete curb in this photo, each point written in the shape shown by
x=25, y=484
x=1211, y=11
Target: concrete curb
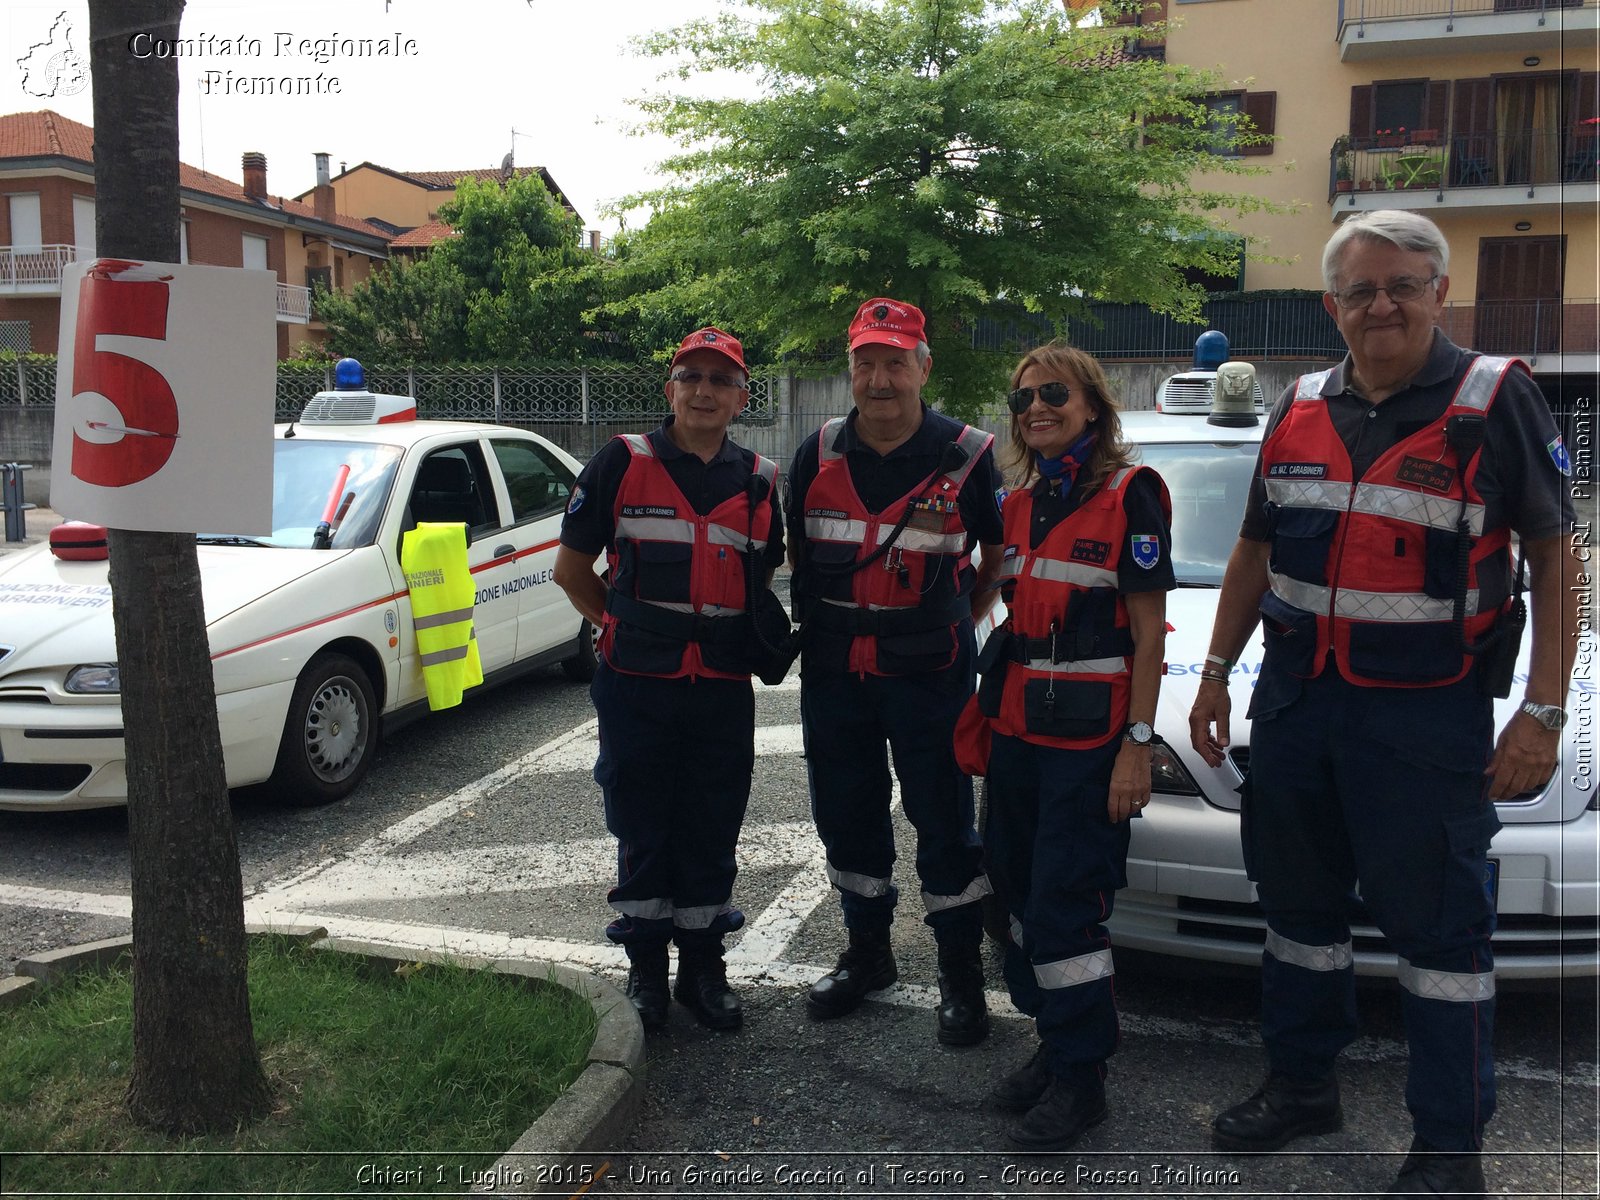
x=595, y=1113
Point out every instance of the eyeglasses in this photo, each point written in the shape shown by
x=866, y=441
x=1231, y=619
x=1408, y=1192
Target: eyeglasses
x=1053, y=394
x=717, y=378
x=1400, y=291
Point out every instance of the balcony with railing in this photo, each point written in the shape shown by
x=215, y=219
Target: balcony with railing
x=294, y=304
x=33, y=270
x=1369, y=29
x=1427, y=170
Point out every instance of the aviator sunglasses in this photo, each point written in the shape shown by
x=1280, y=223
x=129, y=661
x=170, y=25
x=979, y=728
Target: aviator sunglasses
x=1053, y=394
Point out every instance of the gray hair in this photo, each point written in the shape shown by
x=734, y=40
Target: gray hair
x=1407, y=230
x=923, y=355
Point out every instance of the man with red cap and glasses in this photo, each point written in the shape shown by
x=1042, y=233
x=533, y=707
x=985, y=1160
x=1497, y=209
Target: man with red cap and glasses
x=885, y=506
x=680, y=513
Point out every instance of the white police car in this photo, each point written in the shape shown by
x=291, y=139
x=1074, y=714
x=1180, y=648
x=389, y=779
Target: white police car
x=1187, y=892
x=312, y=647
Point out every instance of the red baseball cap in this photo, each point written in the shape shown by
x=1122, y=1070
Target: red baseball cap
x=889, y=322
x=712, y=338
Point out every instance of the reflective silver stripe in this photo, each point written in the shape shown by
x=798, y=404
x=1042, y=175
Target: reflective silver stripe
x=1117, y=479
x=722, y=535
x=1309, y=493
x=1059, y=571
x=1416, y=508
x=683, y=606
x=449, y=617
x=973, y=892
x=1339, y=957
x=699, y=917
x=1309, y=387
x=1069, y=972
x=640, y=444
x=1367, y=606
x=1481, y=381
x=825, y=439
x=655, y=529
x=1016, y=931
x=836, y=529
x=442, y=656
x=1081, y=666
x=653, y=910
x=974, y=441
x=861, y=885
x=766, y=469
x=1458, y=987
x=1012, y=566
x=926, y=543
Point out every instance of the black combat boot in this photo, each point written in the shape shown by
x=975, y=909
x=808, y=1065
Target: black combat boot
x=963, y=1012
x=1430, y=1172
x=702, y=986
x=1024, y=1087
x=866, y=965
x=1281, y=1110
x=1065, y=1111
x=647, y=982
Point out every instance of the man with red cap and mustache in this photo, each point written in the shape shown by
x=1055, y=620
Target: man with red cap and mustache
x=679, y=513
x=885, y=508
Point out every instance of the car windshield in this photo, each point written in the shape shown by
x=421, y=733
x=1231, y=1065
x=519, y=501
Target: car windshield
x=1208, y=482
x=310, y=480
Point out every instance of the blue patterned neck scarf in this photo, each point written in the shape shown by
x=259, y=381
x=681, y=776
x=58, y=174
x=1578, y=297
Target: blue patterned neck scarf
x=1060, y=472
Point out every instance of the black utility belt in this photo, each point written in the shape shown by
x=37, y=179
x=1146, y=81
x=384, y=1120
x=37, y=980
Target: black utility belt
x=683, y=627
x=885, y=622
x=1065, y=648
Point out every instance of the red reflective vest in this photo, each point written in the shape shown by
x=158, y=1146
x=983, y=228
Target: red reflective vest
x=1368, y=571
x=1071, y=645
x=897, y=616
x=676, y=602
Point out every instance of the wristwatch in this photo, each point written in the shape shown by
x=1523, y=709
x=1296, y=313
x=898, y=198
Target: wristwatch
x=1551, y=716
x=1140, y=733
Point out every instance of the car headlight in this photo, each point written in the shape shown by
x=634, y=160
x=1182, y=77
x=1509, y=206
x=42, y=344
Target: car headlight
x=94, y=679
x=1168, y=774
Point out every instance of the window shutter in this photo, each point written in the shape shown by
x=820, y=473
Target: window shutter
x=1436, y=105
x=1262, y=109
x=1361, y=126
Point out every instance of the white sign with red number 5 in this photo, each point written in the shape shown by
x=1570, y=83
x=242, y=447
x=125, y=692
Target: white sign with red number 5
x=164, y=397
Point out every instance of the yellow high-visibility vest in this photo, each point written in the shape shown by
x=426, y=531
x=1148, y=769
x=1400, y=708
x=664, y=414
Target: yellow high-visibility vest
x=434, y=559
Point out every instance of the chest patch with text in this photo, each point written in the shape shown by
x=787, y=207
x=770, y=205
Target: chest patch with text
x=1090, y=551
x=1286, y=470
x=648, y=510
x=1434, y=476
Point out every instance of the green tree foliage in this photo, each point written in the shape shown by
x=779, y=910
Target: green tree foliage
x=512, y=282
x=947, y=152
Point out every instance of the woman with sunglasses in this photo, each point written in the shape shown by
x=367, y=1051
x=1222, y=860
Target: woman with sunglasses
x=1070, y=683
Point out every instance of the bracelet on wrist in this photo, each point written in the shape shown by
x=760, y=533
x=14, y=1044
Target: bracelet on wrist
x=1226, y=664
x=1214, y=676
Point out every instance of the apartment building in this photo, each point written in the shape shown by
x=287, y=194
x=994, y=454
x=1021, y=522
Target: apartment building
x=1482, y=114
x=47, y=215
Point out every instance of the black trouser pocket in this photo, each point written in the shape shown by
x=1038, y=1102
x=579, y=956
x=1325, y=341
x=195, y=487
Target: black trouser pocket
x=1290, y=635
x=1066, y=708
x=1406, y=651
x=993, y=662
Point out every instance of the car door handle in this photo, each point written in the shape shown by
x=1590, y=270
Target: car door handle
x=504, y=549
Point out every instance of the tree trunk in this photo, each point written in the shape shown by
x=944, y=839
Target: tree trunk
x=195, y=1065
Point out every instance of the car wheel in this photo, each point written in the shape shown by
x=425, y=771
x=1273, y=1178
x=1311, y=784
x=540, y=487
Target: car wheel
x=996, y=920
x=581, y=666
x=330, y=733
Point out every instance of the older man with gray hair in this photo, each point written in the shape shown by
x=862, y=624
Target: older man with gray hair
x=1375, y=553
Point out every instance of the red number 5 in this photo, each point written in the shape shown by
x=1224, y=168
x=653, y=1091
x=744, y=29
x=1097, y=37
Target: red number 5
x=139, y=392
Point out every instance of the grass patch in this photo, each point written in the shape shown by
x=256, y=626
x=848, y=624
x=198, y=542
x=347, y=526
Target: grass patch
x=434, y=1073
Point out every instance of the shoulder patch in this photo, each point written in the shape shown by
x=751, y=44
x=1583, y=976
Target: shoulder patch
x=578, y=497
x=1559, y=455
x=1146, y=549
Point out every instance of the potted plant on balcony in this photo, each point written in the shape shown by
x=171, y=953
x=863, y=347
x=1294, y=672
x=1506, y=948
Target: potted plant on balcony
x=1342, y=178
x=1391, y=138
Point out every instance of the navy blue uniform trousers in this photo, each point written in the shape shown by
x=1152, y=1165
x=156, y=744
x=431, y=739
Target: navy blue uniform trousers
x=1384, y=786
x=676, y=757
x=1057, y=860
x=852, y=723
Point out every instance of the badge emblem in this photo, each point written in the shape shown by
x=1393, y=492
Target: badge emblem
x=576, y=502
x=880, y=312
x=1146, y=550
x=709, y=337
x=1559, y=455
x=389, y=622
